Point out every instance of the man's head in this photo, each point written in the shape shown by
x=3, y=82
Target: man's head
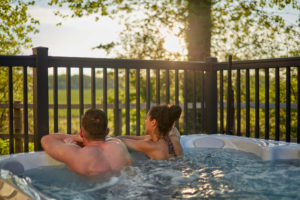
x=94, y=123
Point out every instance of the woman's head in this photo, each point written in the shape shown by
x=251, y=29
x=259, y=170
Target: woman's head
x=165, y=116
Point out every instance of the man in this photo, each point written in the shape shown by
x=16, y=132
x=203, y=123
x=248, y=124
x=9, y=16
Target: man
x=89, y=153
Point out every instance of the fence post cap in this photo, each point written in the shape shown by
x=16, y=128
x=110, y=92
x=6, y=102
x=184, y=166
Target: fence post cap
x=211, y=59
x=36, y=49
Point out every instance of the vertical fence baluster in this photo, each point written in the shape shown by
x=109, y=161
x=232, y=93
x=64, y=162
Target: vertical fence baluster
x=202, y=86
x=167, y=86
x=247, y=103
x=68, y=87
x=127, y=101
x=277, y=104
x=25, y=108
x=116, y=102
x=81, y=100
x=211, y=94
x=148, y=90
x=137, y=86
x=267, y=120
x=93, y=88
x=238, y=100
x=11, y=112
x=257, y=103
x=185, y=102
x=157, y=86
x=176, y=93
x=221, y=102
x=230, y=107
x=194, y=101
x=105, y=90
x=288, y=104
x=298, y=105
x=55, y=100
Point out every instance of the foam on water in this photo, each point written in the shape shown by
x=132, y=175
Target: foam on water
x=201, y=173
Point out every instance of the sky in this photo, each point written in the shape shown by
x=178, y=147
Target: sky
x=75, y=37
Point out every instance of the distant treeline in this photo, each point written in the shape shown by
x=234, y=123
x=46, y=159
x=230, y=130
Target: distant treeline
x=61, y=82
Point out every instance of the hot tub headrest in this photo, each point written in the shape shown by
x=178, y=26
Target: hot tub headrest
x=208, y=142
x=13, y=166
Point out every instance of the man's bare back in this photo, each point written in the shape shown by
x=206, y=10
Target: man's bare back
x=93, y=158
x=90, y=153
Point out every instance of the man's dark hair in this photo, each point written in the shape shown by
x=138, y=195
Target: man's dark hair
x=165, y=115
x=94, y=122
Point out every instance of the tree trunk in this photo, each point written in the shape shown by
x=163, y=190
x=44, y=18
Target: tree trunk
x=199, y=29
x=198, y=43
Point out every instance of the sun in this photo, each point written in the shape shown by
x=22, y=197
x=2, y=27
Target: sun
x=172, y=43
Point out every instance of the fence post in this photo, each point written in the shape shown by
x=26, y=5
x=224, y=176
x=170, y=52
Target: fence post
x=40, y=96
x=211, y=96
x=18, y=127
x=230, y=102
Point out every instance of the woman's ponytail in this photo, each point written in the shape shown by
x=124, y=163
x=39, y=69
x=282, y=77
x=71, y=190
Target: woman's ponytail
x=175, y=112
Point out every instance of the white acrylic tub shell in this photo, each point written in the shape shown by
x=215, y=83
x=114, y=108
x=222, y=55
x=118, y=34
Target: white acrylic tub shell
x=265, y=149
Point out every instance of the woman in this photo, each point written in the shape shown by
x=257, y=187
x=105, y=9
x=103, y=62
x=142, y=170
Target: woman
x=163, y=139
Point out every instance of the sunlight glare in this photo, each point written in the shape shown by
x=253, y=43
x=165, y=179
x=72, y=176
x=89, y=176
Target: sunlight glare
x=172, y=44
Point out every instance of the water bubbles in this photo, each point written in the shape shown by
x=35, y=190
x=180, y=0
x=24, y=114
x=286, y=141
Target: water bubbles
x=200, y=173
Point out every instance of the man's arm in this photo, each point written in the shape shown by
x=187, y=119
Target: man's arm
x=61, y=148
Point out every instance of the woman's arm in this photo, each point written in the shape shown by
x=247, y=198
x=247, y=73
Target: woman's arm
x=144, y=146
x=133, y=137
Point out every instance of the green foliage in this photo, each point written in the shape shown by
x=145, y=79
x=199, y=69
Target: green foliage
x=4, y=146
x=16, y=26
x=254, y=30
x=17, y=91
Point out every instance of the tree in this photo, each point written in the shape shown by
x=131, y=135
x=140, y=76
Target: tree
x=246, y=29
x=16, y=28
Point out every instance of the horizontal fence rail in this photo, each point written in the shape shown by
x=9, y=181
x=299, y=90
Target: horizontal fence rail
x=236, y=97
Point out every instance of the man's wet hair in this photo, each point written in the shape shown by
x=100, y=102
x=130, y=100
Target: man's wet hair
x=94, y=122
x=165, y=115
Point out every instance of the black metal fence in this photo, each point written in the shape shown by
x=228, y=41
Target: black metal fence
x=258, y=70
x=202, y=92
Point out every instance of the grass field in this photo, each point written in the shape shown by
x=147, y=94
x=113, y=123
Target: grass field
x=75, y=113
x=62, y=96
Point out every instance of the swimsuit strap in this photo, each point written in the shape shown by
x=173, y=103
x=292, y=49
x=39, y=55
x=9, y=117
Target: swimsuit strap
x=170, y=146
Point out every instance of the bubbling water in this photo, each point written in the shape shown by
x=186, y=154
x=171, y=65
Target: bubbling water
x=200, y=174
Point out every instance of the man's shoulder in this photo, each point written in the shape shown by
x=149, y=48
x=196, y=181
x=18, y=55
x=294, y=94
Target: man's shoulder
x=115, y=143
x=113, y=140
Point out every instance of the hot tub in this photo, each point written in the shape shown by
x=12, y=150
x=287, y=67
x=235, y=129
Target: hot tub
x=214, y=166
x=265, y=149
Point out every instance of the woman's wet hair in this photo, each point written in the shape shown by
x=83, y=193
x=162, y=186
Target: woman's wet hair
x=94, y=122
x=165, y=116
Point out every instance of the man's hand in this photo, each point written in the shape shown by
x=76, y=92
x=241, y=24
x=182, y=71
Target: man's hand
x=76, y=140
